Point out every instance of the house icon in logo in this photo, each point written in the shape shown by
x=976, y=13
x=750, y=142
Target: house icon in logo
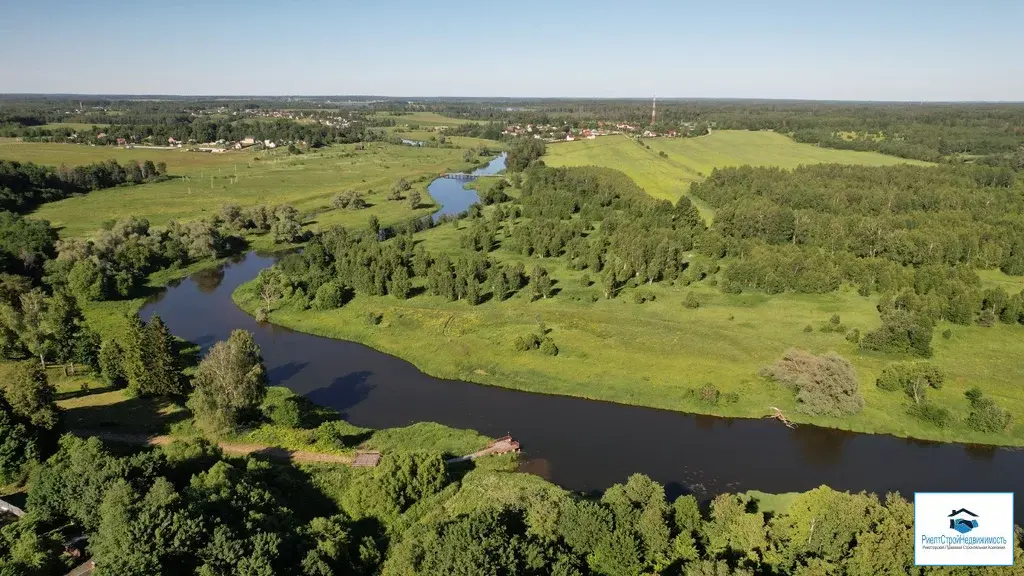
x=962, y=520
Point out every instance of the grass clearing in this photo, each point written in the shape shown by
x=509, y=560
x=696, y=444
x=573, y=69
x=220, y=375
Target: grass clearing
x=210, y=181
x=654, y=354
x=689, y=160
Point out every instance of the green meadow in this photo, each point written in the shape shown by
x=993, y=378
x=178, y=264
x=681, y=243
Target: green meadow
x=691, y=159
x=424, y=119
x=205, y=182
x=656, y=353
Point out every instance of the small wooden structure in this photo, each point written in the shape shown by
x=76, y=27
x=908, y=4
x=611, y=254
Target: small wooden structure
x=366, y=459
x=778, y=415
x=502, y=445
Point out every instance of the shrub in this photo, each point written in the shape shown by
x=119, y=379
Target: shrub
x=328, y=296
x=691, y=301
x=641, y=297
x=374, y=318
x=285, y=413
x=825, y=385
x=262, y=315
x=947, y=333
x=730, y=397
x=901, y=331
x=808, y=328
x=914, y=378
x=709, y=395
x=987, y=318
x=548, y=347
x=853, y=336
x=834, y=320
x=986, y=415
x=527, y=343
x=930, y=413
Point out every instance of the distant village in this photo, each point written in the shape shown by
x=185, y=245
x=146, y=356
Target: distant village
x=564, y=132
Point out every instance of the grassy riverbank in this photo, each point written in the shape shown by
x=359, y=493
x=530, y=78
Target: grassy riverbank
x=657, y=353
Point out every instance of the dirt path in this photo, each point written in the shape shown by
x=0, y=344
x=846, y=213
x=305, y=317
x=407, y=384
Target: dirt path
x=232, y=448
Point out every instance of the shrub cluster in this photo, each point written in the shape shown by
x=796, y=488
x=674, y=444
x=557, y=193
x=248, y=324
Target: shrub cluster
x=825, y=385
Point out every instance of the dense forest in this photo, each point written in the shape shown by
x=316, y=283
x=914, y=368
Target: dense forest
x=23, y=186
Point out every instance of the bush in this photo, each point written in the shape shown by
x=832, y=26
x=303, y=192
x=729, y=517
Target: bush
x=986, y=415
x=527, y=343
x=548, y=347
x=902, y=332
x=641, y=297
x=328, y=296
x=825, y=385
x=691, y=301
x=285, y=413
x=987, y=318
x=262, y=315
x=911, y=377
x=730, y=398
x=374, y=318
x=834, y=320
x=808, y=329
x=853, y=336
x=930, y=413
x=947, y=333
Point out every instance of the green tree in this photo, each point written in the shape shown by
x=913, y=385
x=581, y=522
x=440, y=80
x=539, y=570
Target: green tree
x=400, y=285
x=414, y=199
x=30, y=395
x=161, y=363
x=540, y=282
x=19, y=444
x=111, y=362
x=134, y=369
x=230, y=383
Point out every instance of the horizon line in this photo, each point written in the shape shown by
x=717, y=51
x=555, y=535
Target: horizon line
x=509, y=98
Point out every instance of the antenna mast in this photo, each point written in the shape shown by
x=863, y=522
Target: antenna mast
x=654, y=109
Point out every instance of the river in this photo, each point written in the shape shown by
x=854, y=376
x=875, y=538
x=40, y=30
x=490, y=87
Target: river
x=581, y=444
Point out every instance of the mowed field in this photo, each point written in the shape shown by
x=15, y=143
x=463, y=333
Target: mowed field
x=691, y=159
x=655, y=353
x=205, y=182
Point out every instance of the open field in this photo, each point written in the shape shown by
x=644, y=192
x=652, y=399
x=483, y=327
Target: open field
x=209, y=181
x=691, y=159
x=654, y=354
x=424, y=119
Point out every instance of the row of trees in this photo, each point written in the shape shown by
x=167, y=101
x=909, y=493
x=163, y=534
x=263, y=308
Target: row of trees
x=185, y=509
x=24, y=186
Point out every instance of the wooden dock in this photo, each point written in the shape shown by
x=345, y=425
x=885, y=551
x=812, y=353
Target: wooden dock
x=366, y=459
x=503, y=445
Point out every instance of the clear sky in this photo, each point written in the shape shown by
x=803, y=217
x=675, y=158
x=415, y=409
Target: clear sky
x=820, y=49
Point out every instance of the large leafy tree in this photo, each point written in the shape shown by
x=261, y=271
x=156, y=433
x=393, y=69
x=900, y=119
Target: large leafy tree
x=30, y=395
x=230, y=383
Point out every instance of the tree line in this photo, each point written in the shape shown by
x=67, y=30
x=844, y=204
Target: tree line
x=23, y=186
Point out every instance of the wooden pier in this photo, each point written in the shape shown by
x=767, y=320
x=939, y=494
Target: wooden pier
x=503, y=445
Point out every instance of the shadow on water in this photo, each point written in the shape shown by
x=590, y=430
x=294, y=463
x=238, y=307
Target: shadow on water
x=344, y=392
x=285, y=372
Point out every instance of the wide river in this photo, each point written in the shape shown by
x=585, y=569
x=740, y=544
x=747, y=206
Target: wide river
x=581, y=444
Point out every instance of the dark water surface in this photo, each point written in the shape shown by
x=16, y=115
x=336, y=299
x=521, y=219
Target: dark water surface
x=583, y=444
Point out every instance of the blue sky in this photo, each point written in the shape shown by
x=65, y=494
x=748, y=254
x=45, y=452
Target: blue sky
x=849, y=50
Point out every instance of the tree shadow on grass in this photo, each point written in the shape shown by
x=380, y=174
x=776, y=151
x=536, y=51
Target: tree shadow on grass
x=118, y=415
x=82, y=392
